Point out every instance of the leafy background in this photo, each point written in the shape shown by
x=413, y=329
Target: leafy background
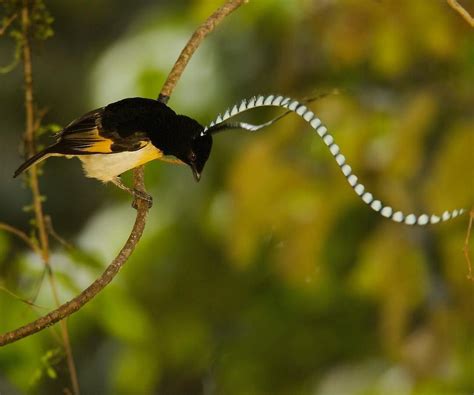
x=269, y=276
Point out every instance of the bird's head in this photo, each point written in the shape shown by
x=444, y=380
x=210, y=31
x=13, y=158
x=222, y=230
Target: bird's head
x=198, y=154
x=196, y=147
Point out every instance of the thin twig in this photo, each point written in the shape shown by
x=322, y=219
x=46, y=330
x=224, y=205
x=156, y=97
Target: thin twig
x=32, y=125
x=40, y=284
x=7, y=24
x=466, y=246
x=26, y=301
x=107, y=276
x=22, y=235
x=462, y=11
x=55, y=235
x=39, y=117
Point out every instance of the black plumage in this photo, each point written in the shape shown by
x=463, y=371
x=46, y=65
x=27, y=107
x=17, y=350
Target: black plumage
x=146, y=127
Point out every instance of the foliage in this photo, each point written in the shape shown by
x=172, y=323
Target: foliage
x=41, y=25
x=269, y=276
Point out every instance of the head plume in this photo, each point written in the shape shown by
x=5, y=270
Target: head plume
x=300, y=108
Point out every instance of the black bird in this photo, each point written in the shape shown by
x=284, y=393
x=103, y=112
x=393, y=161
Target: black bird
x=131, y=132
x=126, y=134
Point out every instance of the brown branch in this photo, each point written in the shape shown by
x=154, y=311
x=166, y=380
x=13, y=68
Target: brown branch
x=22, y=235
x=30, y=148
x=208, y=26
x=470, y=276
x=7, y=24
x=462, y=11
x=32, y=125
x=75, y=304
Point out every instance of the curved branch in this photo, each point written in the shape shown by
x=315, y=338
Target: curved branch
x=7, y=23
x=461, y=11
x=75, y=304
x=201, y=32
x=111, y=271
x=470, y=275
x=21, y=235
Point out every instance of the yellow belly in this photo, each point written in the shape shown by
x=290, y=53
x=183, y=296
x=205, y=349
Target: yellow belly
x=105, y=167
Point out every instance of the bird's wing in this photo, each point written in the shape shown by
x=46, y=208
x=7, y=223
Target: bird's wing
x=86, y=136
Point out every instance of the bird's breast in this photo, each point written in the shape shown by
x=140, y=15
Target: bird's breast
x=105, y=167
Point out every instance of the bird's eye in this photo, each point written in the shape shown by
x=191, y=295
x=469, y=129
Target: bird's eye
x=192, y=157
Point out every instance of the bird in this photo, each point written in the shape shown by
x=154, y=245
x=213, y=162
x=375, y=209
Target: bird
x=125, y=134
x=131, y=132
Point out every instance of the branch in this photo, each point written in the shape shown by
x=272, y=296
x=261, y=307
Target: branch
x=470, y=276
x=75, y=304
x=207, y=27
x=462, y=11
x=29, y=302
x=7, y=24
x=49, y=225
x=85, y=296
x=22, y=235
x=30, y=145
x=32, y=125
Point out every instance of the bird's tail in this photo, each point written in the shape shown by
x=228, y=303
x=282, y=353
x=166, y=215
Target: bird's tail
x=40, y=156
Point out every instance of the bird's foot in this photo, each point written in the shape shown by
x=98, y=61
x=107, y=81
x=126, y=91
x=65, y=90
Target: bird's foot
x=141, y=195
x=136, y=193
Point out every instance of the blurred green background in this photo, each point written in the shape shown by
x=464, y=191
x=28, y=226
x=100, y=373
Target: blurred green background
x=270, y=276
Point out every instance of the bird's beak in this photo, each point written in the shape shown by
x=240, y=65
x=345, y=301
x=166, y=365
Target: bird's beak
x=196, y=174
